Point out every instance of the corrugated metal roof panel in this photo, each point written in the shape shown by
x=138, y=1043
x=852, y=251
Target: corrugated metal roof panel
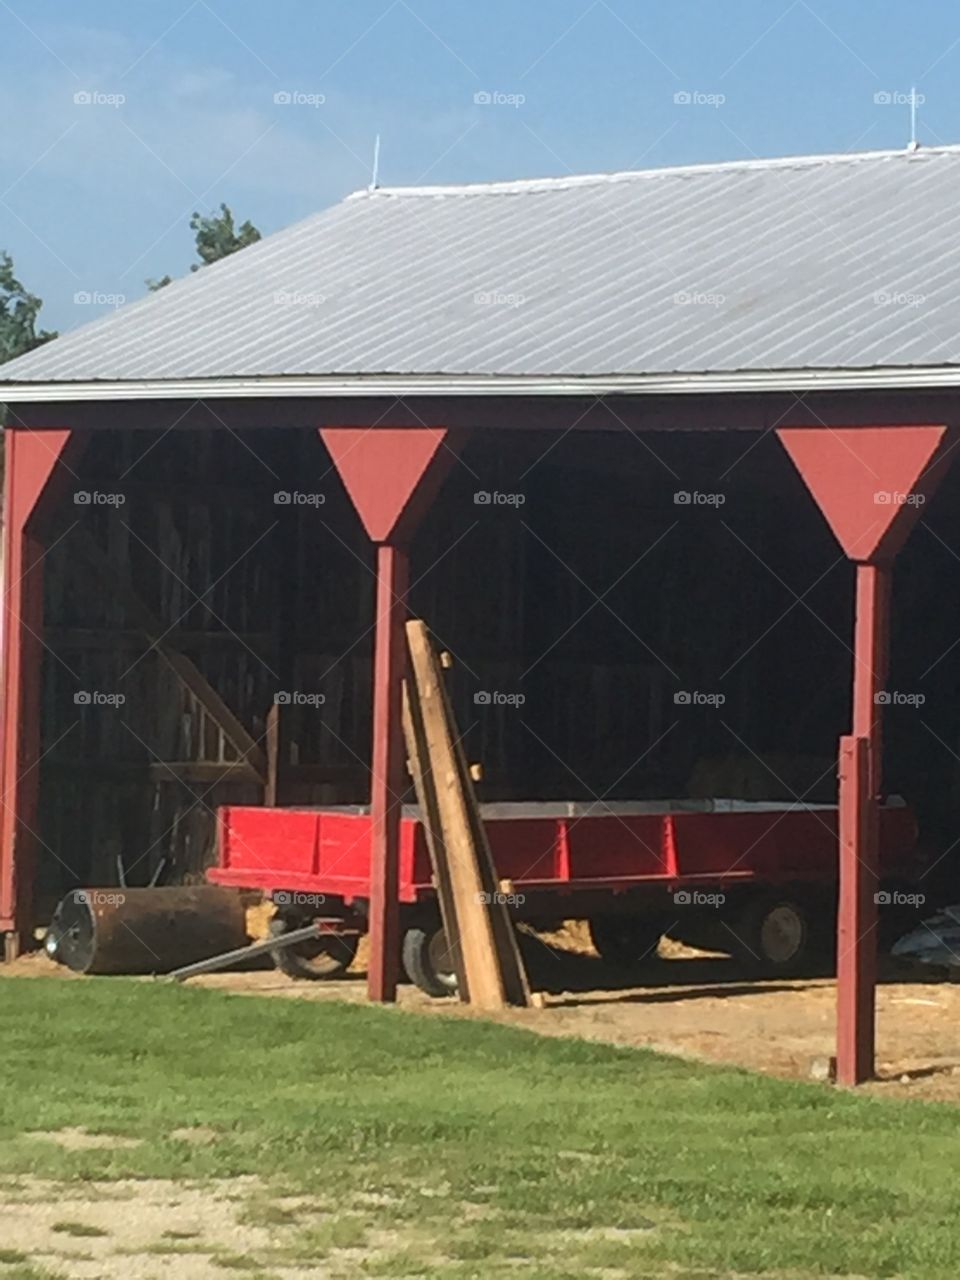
x=845, y=262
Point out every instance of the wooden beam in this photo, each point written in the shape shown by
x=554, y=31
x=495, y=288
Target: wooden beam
x=493, y=966
x=185, y=670
x=418, y=764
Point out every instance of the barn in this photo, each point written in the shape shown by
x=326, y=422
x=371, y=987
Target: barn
x=642, y=448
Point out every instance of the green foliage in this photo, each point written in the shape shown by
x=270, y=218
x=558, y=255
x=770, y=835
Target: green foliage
x=217, y=236
x=18, y=315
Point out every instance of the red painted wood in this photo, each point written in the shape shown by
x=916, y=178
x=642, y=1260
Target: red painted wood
x=391, y=474
x=860, y=783
x=272, y=849
x=857, y=917
x=31, y=459
x=388, y=773
x=871, y=483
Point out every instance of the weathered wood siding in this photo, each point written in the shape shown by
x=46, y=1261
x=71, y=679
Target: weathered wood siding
x=595, y=595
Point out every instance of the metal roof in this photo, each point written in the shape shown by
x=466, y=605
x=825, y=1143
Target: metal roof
x=810, y=271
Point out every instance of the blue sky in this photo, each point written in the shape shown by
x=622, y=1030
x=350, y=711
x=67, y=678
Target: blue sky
x=121, y=118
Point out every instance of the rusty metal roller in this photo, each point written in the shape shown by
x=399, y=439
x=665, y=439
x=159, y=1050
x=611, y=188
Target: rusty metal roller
x=117, y=930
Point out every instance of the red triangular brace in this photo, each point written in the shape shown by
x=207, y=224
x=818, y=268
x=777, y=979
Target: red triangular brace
x=390, y=473
x=870, y=482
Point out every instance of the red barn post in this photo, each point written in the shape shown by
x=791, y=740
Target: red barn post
x=392, y=475
x=870, y=483
x=32, y=461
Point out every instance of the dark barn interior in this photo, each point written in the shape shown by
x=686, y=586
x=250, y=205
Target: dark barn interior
x=587, y=584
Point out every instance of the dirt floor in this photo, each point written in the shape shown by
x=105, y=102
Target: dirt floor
x=689, y=1004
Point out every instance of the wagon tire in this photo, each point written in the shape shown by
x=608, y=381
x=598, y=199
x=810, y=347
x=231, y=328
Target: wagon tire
x=327, y=956
x=775, y=935
x=625, y=942
x=423, y=953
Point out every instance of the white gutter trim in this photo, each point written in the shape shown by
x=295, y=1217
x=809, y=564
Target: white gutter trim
x=560, y=385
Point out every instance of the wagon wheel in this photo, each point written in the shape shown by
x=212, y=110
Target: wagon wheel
x=428, y=961
x=774, y=935
x=625, y=941
x=322, y=957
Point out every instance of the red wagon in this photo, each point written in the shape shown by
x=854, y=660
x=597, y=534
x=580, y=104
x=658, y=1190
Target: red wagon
x=752, y=877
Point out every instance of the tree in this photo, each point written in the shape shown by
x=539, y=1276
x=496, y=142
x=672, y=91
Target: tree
x=217, y=236
x=18, y=315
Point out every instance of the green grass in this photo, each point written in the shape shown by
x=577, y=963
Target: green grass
x=464, y=1149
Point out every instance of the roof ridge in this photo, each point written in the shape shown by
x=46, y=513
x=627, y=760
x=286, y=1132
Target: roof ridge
x=516, y=186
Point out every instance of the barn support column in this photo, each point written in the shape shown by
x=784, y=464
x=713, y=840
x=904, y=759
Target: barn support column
x=36, y=471
x=392, y=476
x=871, y=484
